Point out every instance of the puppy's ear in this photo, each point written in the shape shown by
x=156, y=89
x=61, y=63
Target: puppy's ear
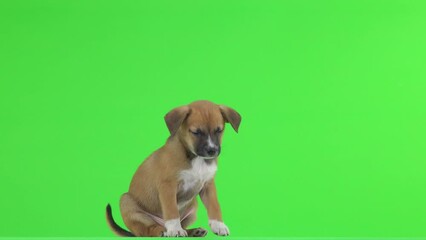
x=175, y=118
x=231, y=116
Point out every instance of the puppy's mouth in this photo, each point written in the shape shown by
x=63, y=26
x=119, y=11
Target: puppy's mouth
x=204, y=157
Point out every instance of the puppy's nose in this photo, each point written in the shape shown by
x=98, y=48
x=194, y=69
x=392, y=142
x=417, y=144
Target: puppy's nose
x=212, y=150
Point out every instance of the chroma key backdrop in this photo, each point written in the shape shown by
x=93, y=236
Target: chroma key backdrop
x=332, y=95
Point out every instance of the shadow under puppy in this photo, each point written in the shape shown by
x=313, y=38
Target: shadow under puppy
x=161, y=200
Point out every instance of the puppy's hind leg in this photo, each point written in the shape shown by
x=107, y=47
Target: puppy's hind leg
x=197, y=232
x=138, y=223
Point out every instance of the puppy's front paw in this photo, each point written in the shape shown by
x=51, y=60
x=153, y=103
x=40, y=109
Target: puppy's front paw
x=219, y=228
x=174, y=229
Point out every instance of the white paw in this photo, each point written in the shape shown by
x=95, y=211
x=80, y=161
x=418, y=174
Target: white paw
x=174, y=229
x=219, y=228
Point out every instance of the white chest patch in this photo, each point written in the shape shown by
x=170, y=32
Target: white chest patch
x=198, y=174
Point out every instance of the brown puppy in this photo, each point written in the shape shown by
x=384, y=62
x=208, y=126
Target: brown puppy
x=161, y=200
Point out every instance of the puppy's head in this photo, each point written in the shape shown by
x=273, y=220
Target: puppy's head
x=200, y=126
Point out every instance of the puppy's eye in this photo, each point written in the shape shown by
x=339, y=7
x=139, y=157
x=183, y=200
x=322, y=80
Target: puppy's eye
x=219, y=130
x=196, y=132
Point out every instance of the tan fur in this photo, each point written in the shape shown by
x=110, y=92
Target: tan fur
x=155, y=187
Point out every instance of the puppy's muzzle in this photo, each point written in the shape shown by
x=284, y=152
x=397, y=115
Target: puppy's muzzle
x=212, y=151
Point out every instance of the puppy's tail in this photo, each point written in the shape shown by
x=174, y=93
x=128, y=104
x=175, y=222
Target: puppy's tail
x=114, y=226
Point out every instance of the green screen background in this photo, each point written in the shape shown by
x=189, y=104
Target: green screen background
x=332, y=95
